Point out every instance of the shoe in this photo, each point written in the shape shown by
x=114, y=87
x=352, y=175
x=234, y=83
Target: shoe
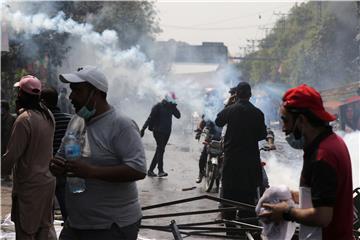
x=200, y=177
x=151, y=174
x=162, y=174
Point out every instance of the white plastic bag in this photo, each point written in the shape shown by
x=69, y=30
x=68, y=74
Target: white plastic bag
x=271, y=231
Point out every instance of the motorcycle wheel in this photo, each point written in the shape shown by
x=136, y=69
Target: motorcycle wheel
x=211, y=173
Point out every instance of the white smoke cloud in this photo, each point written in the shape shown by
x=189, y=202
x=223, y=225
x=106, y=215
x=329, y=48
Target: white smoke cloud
x=134, y=85
x=37, y=23
x=352, y=141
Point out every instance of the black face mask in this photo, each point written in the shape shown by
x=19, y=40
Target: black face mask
x=295, y=130
x=295, y=138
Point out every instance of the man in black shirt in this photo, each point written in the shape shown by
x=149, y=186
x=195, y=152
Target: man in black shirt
x=49, y=96
x=242, y=166
x=214, y=133
x=159, y=122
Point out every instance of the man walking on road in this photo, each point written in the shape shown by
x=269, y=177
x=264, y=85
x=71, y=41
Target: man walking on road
x=326, y=204
x=159, y=122
x=242, y=174
x=112, y=160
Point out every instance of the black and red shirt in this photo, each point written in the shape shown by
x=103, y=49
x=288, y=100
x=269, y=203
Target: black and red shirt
x=327, y=172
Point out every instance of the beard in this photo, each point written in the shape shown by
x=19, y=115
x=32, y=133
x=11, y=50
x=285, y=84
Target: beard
x=27, y=102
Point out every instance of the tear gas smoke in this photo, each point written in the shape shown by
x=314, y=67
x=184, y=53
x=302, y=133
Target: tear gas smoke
x=35, y=24
x=134, y=84
x=352, y=141
x=267, y=97
x=284, y=165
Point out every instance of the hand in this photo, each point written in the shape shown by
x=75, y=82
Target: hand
x=57, y=166
x=274, y=212
x=197, y=135
x=231, y=100
x=295, y=196
x=142, y=132
x=79, y=168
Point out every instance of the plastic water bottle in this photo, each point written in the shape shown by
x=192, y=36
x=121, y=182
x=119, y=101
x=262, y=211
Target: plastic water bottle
x=73, y=153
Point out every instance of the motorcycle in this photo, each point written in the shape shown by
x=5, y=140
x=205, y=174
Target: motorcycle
x=213, y=165
x=214, y=158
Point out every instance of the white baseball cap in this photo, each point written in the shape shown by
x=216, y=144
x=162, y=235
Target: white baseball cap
x=90, y=74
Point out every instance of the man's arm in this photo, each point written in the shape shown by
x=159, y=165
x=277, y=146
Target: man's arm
x=262, y=133
x=199, y=129
x=151, y=118
x=120, y=173
x=323, y=194
x=127, y=146
x=222, y=117
x=176, y=111
x=16, y=146
x=320, y=216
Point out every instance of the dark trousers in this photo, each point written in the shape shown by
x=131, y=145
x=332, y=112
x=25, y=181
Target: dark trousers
x=202, y=160
x=114, y=233
x=158, y=159
x=244, y=195
x=60, y=195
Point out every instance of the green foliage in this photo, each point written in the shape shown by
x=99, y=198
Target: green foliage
x=41, y=54
x=315, y=49
x=134, y=21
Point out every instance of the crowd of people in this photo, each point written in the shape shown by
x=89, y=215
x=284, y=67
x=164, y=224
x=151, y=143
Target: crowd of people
x=112, y=159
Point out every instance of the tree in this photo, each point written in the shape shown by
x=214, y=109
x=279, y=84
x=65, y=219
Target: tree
x=134, y=21
x=313, y=49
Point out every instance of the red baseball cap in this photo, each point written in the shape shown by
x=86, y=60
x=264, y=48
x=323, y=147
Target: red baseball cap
x=306, y=97
x=29, y=84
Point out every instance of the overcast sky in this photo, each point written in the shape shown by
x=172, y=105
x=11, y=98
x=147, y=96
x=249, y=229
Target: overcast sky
x=231, y=22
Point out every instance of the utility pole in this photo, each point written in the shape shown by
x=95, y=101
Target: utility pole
x=267, y=30
x=283, y=18
x=319, y=12
x=252, y=43
x=245, y=50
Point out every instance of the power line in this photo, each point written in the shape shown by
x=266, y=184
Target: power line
x=215, y=28
x=226, y=20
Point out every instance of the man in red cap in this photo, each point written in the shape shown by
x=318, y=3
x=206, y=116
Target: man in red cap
x=325, y=204
x=28, y=153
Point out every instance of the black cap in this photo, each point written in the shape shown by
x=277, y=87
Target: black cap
x=243, y=89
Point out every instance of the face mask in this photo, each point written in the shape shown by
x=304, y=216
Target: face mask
x=295, y=138
x=84, y=112
x=294, y=142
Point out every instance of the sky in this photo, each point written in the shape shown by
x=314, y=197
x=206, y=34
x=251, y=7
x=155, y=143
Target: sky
x=236, y=23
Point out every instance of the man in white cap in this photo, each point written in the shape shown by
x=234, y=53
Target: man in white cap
x=29, y=152
x=112, y=160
